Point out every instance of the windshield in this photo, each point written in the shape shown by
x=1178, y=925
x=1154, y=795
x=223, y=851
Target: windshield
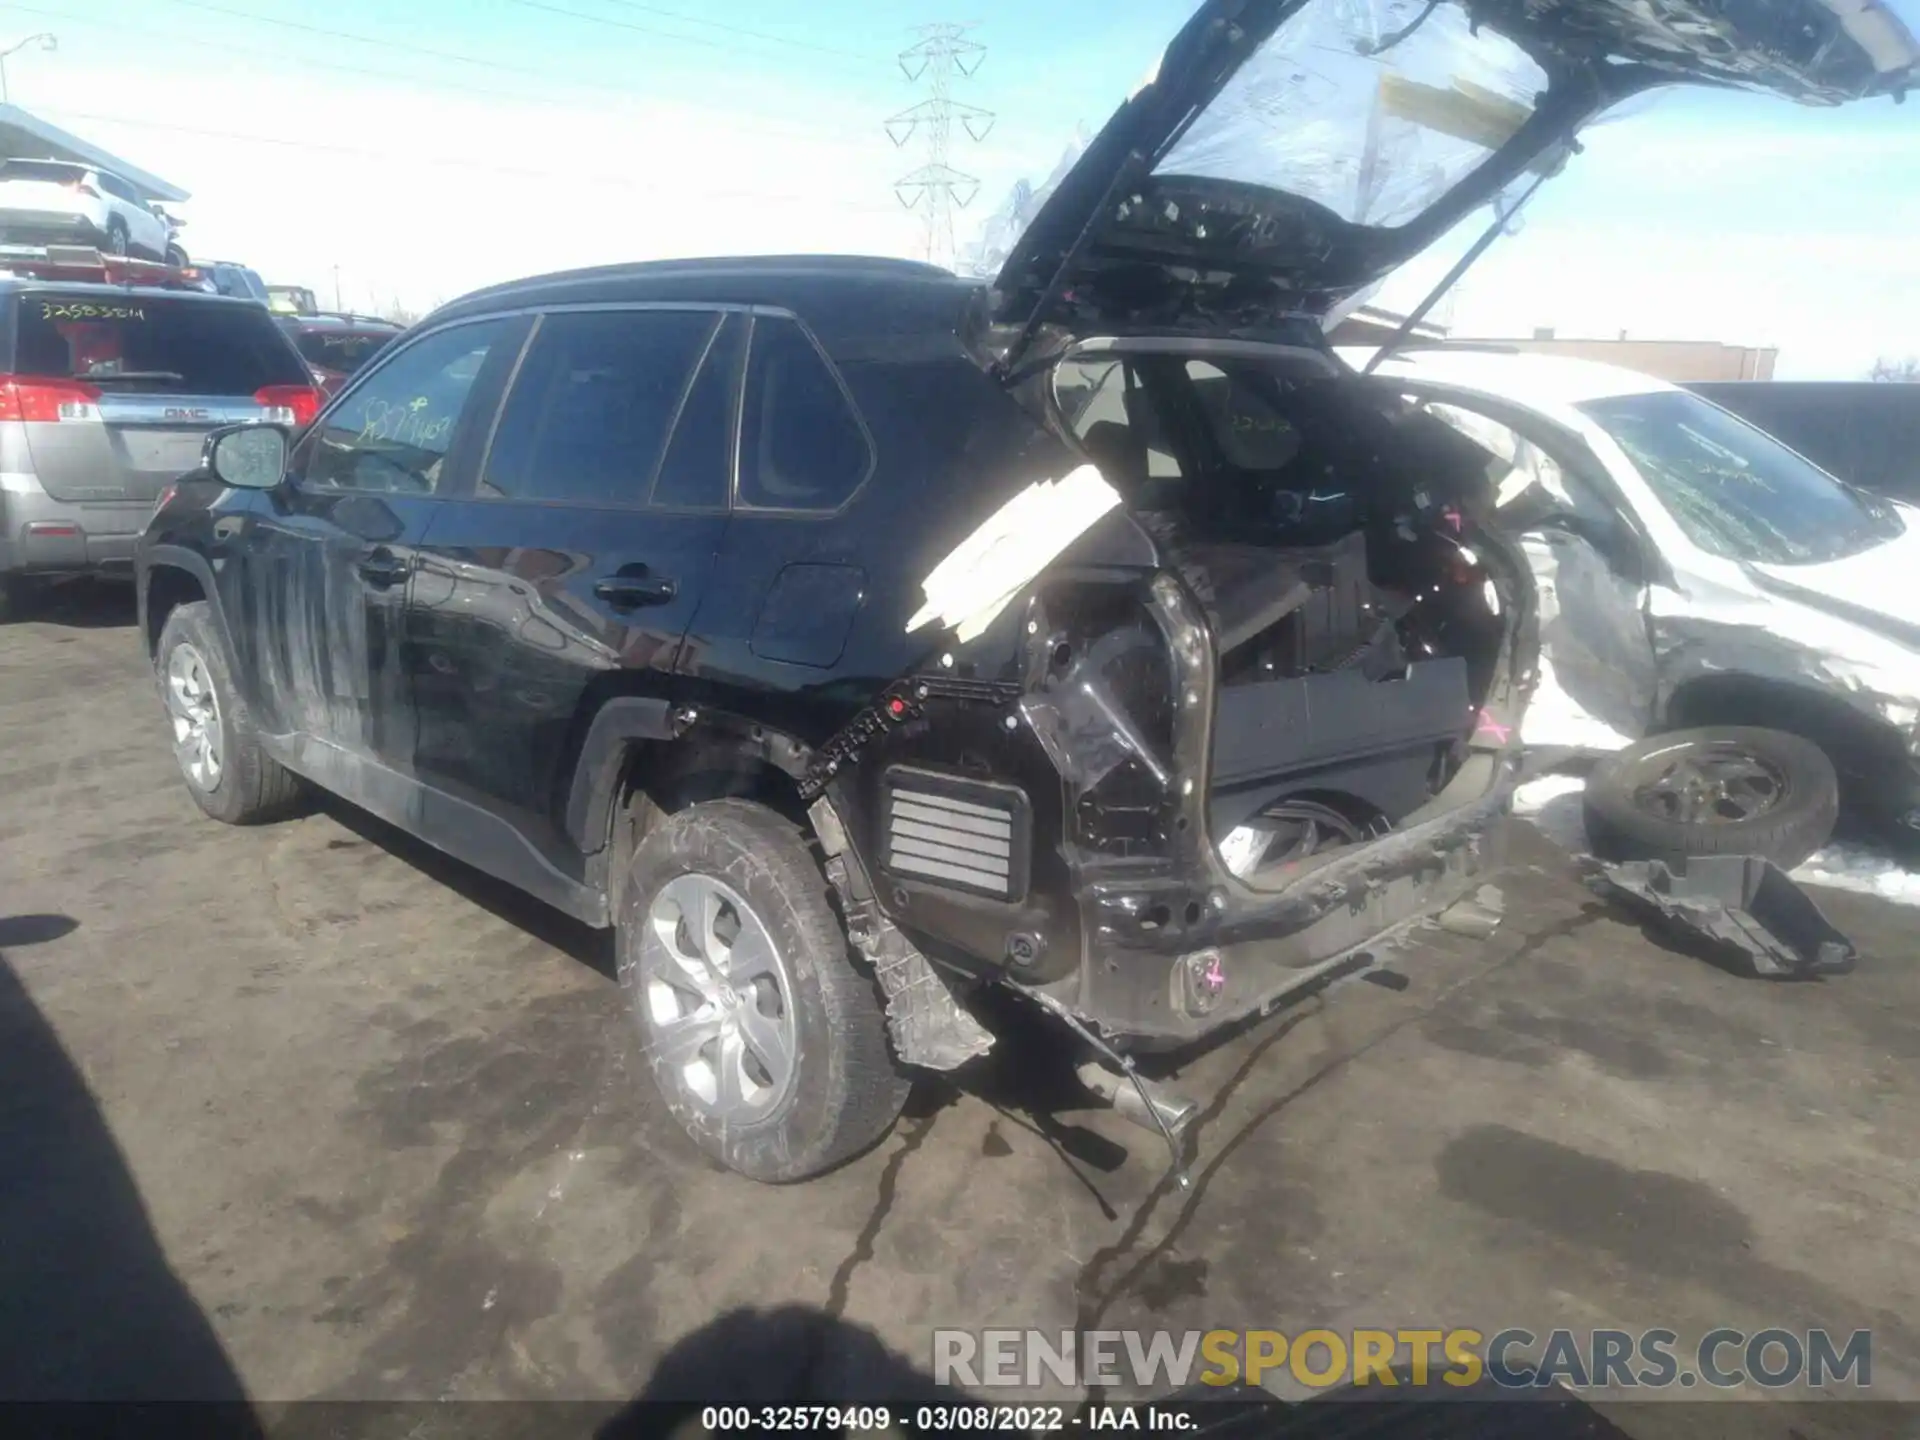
x=1736, y=491
x=1374, y=137
x=130, y=341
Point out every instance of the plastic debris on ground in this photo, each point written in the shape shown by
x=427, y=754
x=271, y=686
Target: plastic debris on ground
x=1552, y=804
x=1736, y=903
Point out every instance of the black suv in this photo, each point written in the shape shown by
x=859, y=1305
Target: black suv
x=851, y=636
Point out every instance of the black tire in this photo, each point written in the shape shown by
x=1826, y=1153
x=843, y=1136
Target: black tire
x=1798, y=820
x=251, y=787
x=846, y=1089
x=117, y=241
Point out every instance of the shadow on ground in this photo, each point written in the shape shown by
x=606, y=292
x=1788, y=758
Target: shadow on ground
x=796, y=1355
x=89, y=1307
x=592, y=948
x=78, y=605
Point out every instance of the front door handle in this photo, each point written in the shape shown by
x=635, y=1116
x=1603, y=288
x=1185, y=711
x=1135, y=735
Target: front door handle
x=383, y=567
x=630, y=592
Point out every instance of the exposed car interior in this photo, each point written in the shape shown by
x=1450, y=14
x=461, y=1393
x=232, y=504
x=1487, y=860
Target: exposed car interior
x=1325, y=527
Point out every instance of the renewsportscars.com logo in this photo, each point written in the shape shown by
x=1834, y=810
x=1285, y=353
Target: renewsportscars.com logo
x=1725, y=1358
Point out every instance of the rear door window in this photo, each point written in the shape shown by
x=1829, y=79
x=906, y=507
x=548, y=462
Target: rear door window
x=592, y=406
x=802, y=445
x=139, y=343
x=697, y=471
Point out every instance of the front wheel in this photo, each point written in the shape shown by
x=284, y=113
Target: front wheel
x=766, y=1040
x=227, y=772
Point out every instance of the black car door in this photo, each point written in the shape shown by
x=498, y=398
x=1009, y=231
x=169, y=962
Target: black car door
x=572, y=570
x=328, y=555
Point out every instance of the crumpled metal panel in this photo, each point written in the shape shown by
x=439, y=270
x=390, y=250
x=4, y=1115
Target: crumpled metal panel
x=1708, y=629
x=1598, y=685
x=1614, y=653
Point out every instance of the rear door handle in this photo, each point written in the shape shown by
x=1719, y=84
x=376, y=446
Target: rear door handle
x=630, y=592
x=383, y=567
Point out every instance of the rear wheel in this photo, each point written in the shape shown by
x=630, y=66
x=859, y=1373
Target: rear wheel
x=767, y=1042
x=1722, y=790
x=214, y=739
x=117, y=242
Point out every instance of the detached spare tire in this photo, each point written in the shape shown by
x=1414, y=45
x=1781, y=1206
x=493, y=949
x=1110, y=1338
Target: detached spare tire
x=1722, y=790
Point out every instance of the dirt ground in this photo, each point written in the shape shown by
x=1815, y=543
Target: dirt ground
x=308, y=1111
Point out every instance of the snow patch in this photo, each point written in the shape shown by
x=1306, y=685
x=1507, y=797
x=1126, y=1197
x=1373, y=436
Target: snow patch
x=1552, y=805
x=1555, y=718
x=1866, y=872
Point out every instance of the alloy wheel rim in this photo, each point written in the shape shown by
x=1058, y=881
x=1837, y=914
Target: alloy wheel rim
x=1711, y=785
x=716, y=999
x=195, y=712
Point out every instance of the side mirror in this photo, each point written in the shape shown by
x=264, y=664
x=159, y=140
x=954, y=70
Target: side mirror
x=248, y=457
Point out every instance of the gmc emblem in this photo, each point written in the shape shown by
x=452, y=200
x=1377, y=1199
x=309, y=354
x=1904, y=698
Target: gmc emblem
x=186, y=412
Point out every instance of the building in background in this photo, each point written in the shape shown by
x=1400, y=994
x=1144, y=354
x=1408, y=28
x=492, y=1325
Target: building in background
x=1679, y=361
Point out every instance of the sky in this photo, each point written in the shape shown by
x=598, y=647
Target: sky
x=412, y=152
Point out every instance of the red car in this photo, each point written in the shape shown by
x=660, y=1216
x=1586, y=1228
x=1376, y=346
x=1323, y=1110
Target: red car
x=335, y=346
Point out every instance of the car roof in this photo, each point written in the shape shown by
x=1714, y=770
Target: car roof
x=818, y=288
x=1537, y=380
x=26, y=284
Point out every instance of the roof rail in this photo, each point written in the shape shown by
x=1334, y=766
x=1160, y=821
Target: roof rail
x=88, y=265
x=352, y=317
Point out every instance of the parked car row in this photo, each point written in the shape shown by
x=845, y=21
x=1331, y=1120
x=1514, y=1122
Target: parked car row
x=115, y=371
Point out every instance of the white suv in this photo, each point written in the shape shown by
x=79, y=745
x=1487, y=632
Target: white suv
x=52, y=202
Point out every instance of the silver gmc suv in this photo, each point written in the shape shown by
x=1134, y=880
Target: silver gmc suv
x=111, y=374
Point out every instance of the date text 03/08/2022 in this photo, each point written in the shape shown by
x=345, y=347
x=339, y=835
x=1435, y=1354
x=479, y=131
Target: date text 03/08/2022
x=932, y=1419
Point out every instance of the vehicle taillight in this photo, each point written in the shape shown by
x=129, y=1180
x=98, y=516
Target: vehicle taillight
x=41, y=400
x=83, y=187
x=298, y=403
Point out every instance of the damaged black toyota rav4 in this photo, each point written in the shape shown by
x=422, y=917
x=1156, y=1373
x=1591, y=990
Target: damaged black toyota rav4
x=850, y=636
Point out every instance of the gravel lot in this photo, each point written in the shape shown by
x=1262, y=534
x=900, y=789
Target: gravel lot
x=310, y=1111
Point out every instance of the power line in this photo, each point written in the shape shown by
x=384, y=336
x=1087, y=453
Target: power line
x=303, y=62
x=943, y=53
x=384, y=44
x=656, y=31
x=600, y=178
x=742, y=30
x=419, y=84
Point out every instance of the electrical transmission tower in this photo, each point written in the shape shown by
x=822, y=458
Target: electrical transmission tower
x=942, y=53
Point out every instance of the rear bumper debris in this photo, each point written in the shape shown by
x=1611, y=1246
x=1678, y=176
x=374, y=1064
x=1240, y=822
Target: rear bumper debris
x=1744, y=906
